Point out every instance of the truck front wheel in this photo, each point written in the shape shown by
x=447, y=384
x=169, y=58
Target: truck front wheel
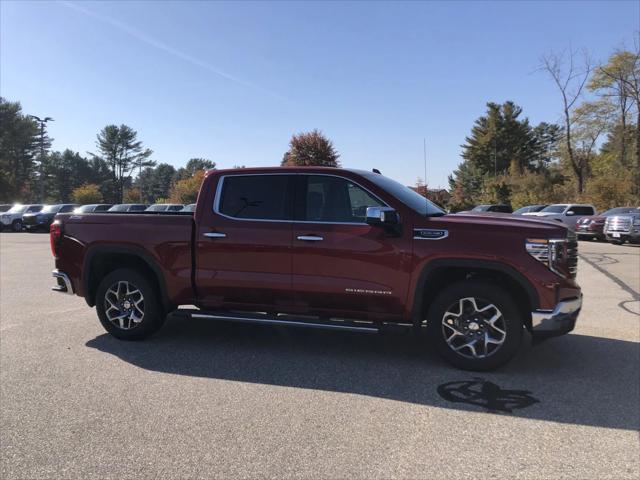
x=475, y=325
x=128, y=305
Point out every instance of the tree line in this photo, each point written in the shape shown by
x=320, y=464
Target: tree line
x=592, y=155
x=120, y=170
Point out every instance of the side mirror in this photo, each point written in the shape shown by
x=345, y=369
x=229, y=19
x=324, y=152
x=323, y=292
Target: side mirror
x=382, y=216
x=570, y=213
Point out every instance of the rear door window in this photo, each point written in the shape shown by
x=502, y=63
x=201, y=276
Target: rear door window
x=256, y=197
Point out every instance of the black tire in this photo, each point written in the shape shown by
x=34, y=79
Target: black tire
x=511, y=322
x=617, y=242
x=153, y=316
x=16, y=226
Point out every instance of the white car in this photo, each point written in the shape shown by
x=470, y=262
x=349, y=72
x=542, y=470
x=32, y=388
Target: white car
x=12, y=218
x=567, y=213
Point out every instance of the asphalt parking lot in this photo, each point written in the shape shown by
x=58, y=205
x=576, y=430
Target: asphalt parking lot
x=207, y=400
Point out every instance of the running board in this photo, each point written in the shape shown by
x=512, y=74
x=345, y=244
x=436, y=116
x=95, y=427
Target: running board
x=290, y=320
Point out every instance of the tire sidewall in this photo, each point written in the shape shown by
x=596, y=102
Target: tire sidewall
x=154, y=314
x=485, y=291
x=17, y=226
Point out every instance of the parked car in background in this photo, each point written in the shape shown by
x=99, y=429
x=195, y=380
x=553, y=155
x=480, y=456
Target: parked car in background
x=592, y=227
x=93, y=207
x=567, y=213
x=500, y=208
x=43, y=219
x=4, y=207
x=128, y=207
x=165, y=207
x=12, y=218
x=623, y=228
x=189, y=208
x=529, y=209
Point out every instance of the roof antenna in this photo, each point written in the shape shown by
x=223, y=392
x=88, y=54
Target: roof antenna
x=424, y=145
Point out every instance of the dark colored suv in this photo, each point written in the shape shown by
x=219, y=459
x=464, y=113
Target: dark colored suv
x=43, y=219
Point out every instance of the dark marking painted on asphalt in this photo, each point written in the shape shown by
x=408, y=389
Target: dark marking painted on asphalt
x=485, y=394
x=601, y=259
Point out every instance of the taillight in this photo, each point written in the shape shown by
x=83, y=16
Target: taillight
x=55, y=235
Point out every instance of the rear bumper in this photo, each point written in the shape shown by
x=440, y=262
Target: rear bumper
x=63, y=283
x=560, y=320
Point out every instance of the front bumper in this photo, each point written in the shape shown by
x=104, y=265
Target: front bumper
x=63, y=284
x=560, y=320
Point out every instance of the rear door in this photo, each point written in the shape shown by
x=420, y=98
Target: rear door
x=342, y=265
x=243, y=243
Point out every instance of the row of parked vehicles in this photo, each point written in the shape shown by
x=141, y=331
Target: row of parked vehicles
x=39, y=217
x=616, y=225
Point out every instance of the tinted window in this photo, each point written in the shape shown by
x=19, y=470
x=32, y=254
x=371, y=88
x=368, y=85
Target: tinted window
x=34, y=208
x=501, y=208
x=334, y=199
x=481, y=208
x=260, y=197
x=174, y=208
x=137, y=208
x=102, y=208
x=582, y=210
x=67, y=208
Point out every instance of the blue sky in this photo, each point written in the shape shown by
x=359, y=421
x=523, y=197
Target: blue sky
x=233, y=81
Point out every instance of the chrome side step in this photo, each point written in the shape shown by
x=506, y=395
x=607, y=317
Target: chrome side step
x=289, y=320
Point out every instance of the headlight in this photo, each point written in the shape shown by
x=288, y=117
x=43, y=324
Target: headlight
x=550, y=252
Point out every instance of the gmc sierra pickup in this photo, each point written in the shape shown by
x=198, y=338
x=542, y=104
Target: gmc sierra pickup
x=326, y=248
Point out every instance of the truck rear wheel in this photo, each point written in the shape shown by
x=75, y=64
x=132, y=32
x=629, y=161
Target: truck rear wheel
x=128, y=305
x=475, y=325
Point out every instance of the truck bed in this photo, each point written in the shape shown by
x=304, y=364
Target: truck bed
x=164, y=239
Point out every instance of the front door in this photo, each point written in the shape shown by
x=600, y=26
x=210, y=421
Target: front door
x=243, y=256
x=341, y=265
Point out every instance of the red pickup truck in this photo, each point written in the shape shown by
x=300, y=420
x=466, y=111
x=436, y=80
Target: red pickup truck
x=328, y=248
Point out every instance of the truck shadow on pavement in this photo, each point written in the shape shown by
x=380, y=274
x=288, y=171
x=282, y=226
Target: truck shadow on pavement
x=575, y=379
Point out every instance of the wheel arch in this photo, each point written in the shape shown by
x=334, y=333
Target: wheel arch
x=101, y=260
x=444, y=272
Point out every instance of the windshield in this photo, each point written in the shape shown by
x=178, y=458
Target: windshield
x=411, y=199
x=18, y=209
x=620, y=211
x=480, y=208
x=524, y=210
x=51, y=209
x=119, y=208
x=84, y=209
x=156, y=208
x=189, y=208
x=554, y=209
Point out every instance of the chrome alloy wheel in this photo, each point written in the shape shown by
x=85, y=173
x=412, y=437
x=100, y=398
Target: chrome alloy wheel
x=474, y=328
x=124, y=305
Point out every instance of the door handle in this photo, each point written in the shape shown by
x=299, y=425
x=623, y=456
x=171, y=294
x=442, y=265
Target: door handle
x=215, y=234
x=310, y=238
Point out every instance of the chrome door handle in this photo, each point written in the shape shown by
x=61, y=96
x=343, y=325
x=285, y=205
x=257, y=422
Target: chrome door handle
x=310, y=238
x=215, y=235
